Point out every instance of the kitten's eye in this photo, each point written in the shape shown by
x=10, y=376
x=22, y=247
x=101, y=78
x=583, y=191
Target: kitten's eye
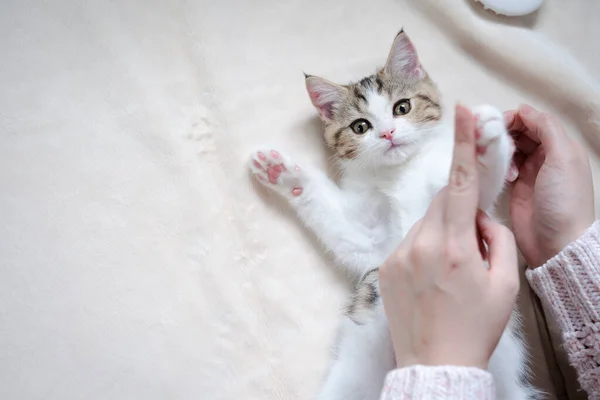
x=402, y=107
x=360, y=126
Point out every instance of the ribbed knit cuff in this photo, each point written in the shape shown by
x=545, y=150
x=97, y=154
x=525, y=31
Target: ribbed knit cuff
x=421, y=382
x=569, y=283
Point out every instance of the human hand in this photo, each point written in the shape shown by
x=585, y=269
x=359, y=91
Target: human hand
x=443, y=305
x=552, y=201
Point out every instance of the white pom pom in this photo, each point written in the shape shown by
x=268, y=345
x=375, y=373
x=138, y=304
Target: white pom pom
x=512, y=8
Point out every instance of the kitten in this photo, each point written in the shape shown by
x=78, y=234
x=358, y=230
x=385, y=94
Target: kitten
x=395, y=151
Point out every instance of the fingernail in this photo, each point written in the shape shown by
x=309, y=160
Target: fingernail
x=461, y=108
x=526, y=109
x=508, y=116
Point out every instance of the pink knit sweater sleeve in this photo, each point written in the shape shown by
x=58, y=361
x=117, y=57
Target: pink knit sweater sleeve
x=569, y=284
x=420, y=382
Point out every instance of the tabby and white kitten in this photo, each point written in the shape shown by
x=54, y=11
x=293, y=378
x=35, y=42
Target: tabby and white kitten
x=395, y=152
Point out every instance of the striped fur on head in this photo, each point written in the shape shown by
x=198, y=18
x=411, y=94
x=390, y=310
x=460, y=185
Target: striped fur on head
x=391, y=137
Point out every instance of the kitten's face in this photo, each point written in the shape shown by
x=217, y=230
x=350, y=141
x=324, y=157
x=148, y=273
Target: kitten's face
x=384, y=118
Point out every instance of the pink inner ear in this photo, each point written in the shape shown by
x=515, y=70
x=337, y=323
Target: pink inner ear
x=413, y=60
x=314, y=97
x=413, y=65
x=325, y=110
x=404, y=59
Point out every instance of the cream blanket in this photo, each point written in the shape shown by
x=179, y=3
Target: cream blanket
x=138, y=260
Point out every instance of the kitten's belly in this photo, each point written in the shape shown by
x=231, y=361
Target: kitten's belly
x=395, y=211
x=383, y=236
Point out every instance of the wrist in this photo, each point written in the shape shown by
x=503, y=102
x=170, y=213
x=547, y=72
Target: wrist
x=569, y=237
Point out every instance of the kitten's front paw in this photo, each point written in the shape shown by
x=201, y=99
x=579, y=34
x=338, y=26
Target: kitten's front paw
x=491, y=131
x=277, y=171
x=490, y=126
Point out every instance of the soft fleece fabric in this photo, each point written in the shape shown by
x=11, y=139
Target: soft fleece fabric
x=138, y=260
x=569, y=284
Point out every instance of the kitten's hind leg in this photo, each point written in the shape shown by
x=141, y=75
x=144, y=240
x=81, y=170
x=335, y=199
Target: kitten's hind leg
x=364, y=353
x=495, y=149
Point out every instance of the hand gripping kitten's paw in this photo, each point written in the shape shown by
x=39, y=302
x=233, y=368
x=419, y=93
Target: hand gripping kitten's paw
x=491, y=129
x=277, y=171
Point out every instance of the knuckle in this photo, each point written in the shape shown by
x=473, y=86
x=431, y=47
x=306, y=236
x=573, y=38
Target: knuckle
x=420, y=247
x=453, y=252
x=424, y=250
x=418, y=258
x=456, y=251
x=461, y=177
x=551, y=123
x=397, y=261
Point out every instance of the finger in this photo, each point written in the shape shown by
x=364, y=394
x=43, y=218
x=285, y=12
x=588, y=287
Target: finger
x=513, y=121
x=517, y=129
x=463, y=194
x=434, y=216
x=531, y=166
x=481, y=244
x=524, y=143
x=542, y=128
x=502, y=250
x=509, y=118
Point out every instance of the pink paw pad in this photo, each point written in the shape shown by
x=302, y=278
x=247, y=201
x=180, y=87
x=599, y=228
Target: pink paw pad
x=273, y=174
x=275, y=170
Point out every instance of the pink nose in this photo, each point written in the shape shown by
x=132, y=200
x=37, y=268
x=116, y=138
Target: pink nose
x=387, y=134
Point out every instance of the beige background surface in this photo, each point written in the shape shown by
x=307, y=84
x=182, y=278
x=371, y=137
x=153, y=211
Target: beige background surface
x=137, y=258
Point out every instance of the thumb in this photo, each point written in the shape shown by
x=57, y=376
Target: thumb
x=542, y=128
x=504, y=264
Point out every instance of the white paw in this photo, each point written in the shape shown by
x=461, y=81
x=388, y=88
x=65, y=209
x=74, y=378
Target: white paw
x=491, y=130
x=277, y=171
x=490, y=125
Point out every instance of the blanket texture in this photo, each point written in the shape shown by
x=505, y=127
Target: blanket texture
x=138, y=260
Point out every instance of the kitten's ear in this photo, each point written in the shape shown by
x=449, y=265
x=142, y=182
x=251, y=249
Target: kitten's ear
x=324, y=95
x=403, y=60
